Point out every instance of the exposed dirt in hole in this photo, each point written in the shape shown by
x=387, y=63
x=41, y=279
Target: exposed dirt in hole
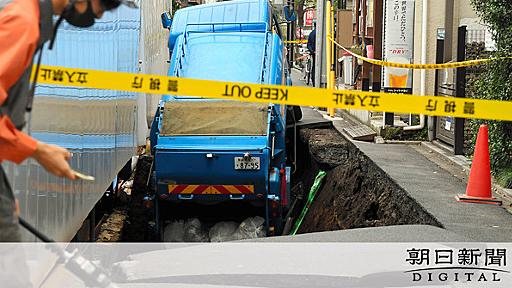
x=112, y=229
x=318, y=149
x=356, y=192
x=136, y=229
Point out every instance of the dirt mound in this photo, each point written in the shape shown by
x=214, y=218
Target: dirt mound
x=356, y=192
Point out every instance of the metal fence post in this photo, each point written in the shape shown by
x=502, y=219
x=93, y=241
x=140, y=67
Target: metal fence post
x=460, y=88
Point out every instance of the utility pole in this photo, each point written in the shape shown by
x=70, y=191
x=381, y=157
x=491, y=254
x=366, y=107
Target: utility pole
x=330, y=59
x=365, y=84
x=377, y=43
x=320, y=57
x=290, y=30
x=294, y=30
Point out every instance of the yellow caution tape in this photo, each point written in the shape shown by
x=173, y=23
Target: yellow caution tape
x=279, y=94
x=296, y=42
x=418, y=66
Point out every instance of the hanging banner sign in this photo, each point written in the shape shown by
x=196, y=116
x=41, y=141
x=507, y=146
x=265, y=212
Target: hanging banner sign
x=398, y=45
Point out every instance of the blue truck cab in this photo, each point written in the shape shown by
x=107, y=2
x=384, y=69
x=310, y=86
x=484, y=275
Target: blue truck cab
x=210, y=151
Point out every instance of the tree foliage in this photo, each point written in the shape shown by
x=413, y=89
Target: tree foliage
x=495, y=82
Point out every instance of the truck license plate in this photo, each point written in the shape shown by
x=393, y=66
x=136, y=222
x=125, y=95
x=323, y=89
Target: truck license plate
x=251, y=164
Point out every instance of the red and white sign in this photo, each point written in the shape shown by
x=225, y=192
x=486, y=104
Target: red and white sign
x=299, y=33
x=309, y=15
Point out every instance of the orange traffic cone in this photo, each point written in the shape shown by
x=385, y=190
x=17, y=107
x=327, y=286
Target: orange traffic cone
x=479, y=184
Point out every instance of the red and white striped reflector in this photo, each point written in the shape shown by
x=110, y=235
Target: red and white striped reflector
x=211, y=189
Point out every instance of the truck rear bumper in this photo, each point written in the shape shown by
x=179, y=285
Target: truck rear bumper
x=182, y=175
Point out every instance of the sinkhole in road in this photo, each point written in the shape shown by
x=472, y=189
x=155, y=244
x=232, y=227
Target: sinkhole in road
x=355, y=193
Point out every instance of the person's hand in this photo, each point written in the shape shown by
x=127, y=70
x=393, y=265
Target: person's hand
x=54, y=159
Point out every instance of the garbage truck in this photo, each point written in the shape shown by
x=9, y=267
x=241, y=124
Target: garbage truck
x=211, y=152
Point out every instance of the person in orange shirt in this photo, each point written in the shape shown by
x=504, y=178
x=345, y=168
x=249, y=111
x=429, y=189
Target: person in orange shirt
x=25, y=25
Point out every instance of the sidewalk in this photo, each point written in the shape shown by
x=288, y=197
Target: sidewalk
x=435, y=189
